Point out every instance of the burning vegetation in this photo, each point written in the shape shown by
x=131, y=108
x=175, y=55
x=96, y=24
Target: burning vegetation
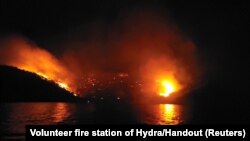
x=142, y=50
x=25, y=55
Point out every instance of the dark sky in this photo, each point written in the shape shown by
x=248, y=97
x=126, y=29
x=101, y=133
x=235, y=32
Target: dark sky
x=220, y=29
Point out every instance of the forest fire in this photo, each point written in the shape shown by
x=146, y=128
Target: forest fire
x=43, y=75
x=27, y=56
x=60, y=84
x=152, y=51
x=166, y=88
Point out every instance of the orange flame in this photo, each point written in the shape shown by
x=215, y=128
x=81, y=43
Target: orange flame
x=166, y=89
x=167, y=85
x=27, y=56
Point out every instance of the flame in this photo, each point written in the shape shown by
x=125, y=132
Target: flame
x=60, y=84
x=25, y=55
x=42, y=75
x=53, y=78
x=166, y=89
x=144, y=44
x=63, y=85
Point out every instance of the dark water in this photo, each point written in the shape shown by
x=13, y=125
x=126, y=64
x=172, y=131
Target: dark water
x=14, y=116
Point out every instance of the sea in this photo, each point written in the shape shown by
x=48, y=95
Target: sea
x=15, y=116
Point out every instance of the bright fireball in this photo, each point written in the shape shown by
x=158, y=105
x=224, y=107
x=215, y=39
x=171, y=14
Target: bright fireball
x=166, y=88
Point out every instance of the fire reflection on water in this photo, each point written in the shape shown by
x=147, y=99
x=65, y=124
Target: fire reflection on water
x=61, y=112
x=14, y=116
x=169, y=114
x=162, y=114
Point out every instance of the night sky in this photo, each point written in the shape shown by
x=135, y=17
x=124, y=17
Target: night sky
x=219, y=29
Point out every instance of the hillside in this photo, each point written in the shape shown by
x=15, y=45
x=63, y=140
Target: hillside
x=20, y=86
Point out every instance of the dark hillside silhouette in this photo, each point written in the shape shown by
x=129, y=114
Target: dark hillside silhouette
x=19, y=86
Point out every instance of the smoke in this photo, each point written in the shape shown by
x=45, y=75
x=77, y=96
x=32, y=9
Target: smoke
x=20, y=52
x=142, y=43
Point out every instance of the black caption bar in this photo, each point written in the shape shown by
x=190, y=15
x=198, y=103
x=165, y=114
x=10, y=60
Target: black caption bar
x=35, y=132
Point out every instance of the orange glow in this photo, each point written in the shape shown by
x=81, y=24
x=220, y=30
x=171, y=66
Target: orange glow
x=63, y=85
x=52, y=71
x=144, y=45
x=27, y=56
x=166, y=88
x=170, y=114
x=42, y=75
x=48, y=73
x=60, y=84
x=161, y=114
x=61, y=112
